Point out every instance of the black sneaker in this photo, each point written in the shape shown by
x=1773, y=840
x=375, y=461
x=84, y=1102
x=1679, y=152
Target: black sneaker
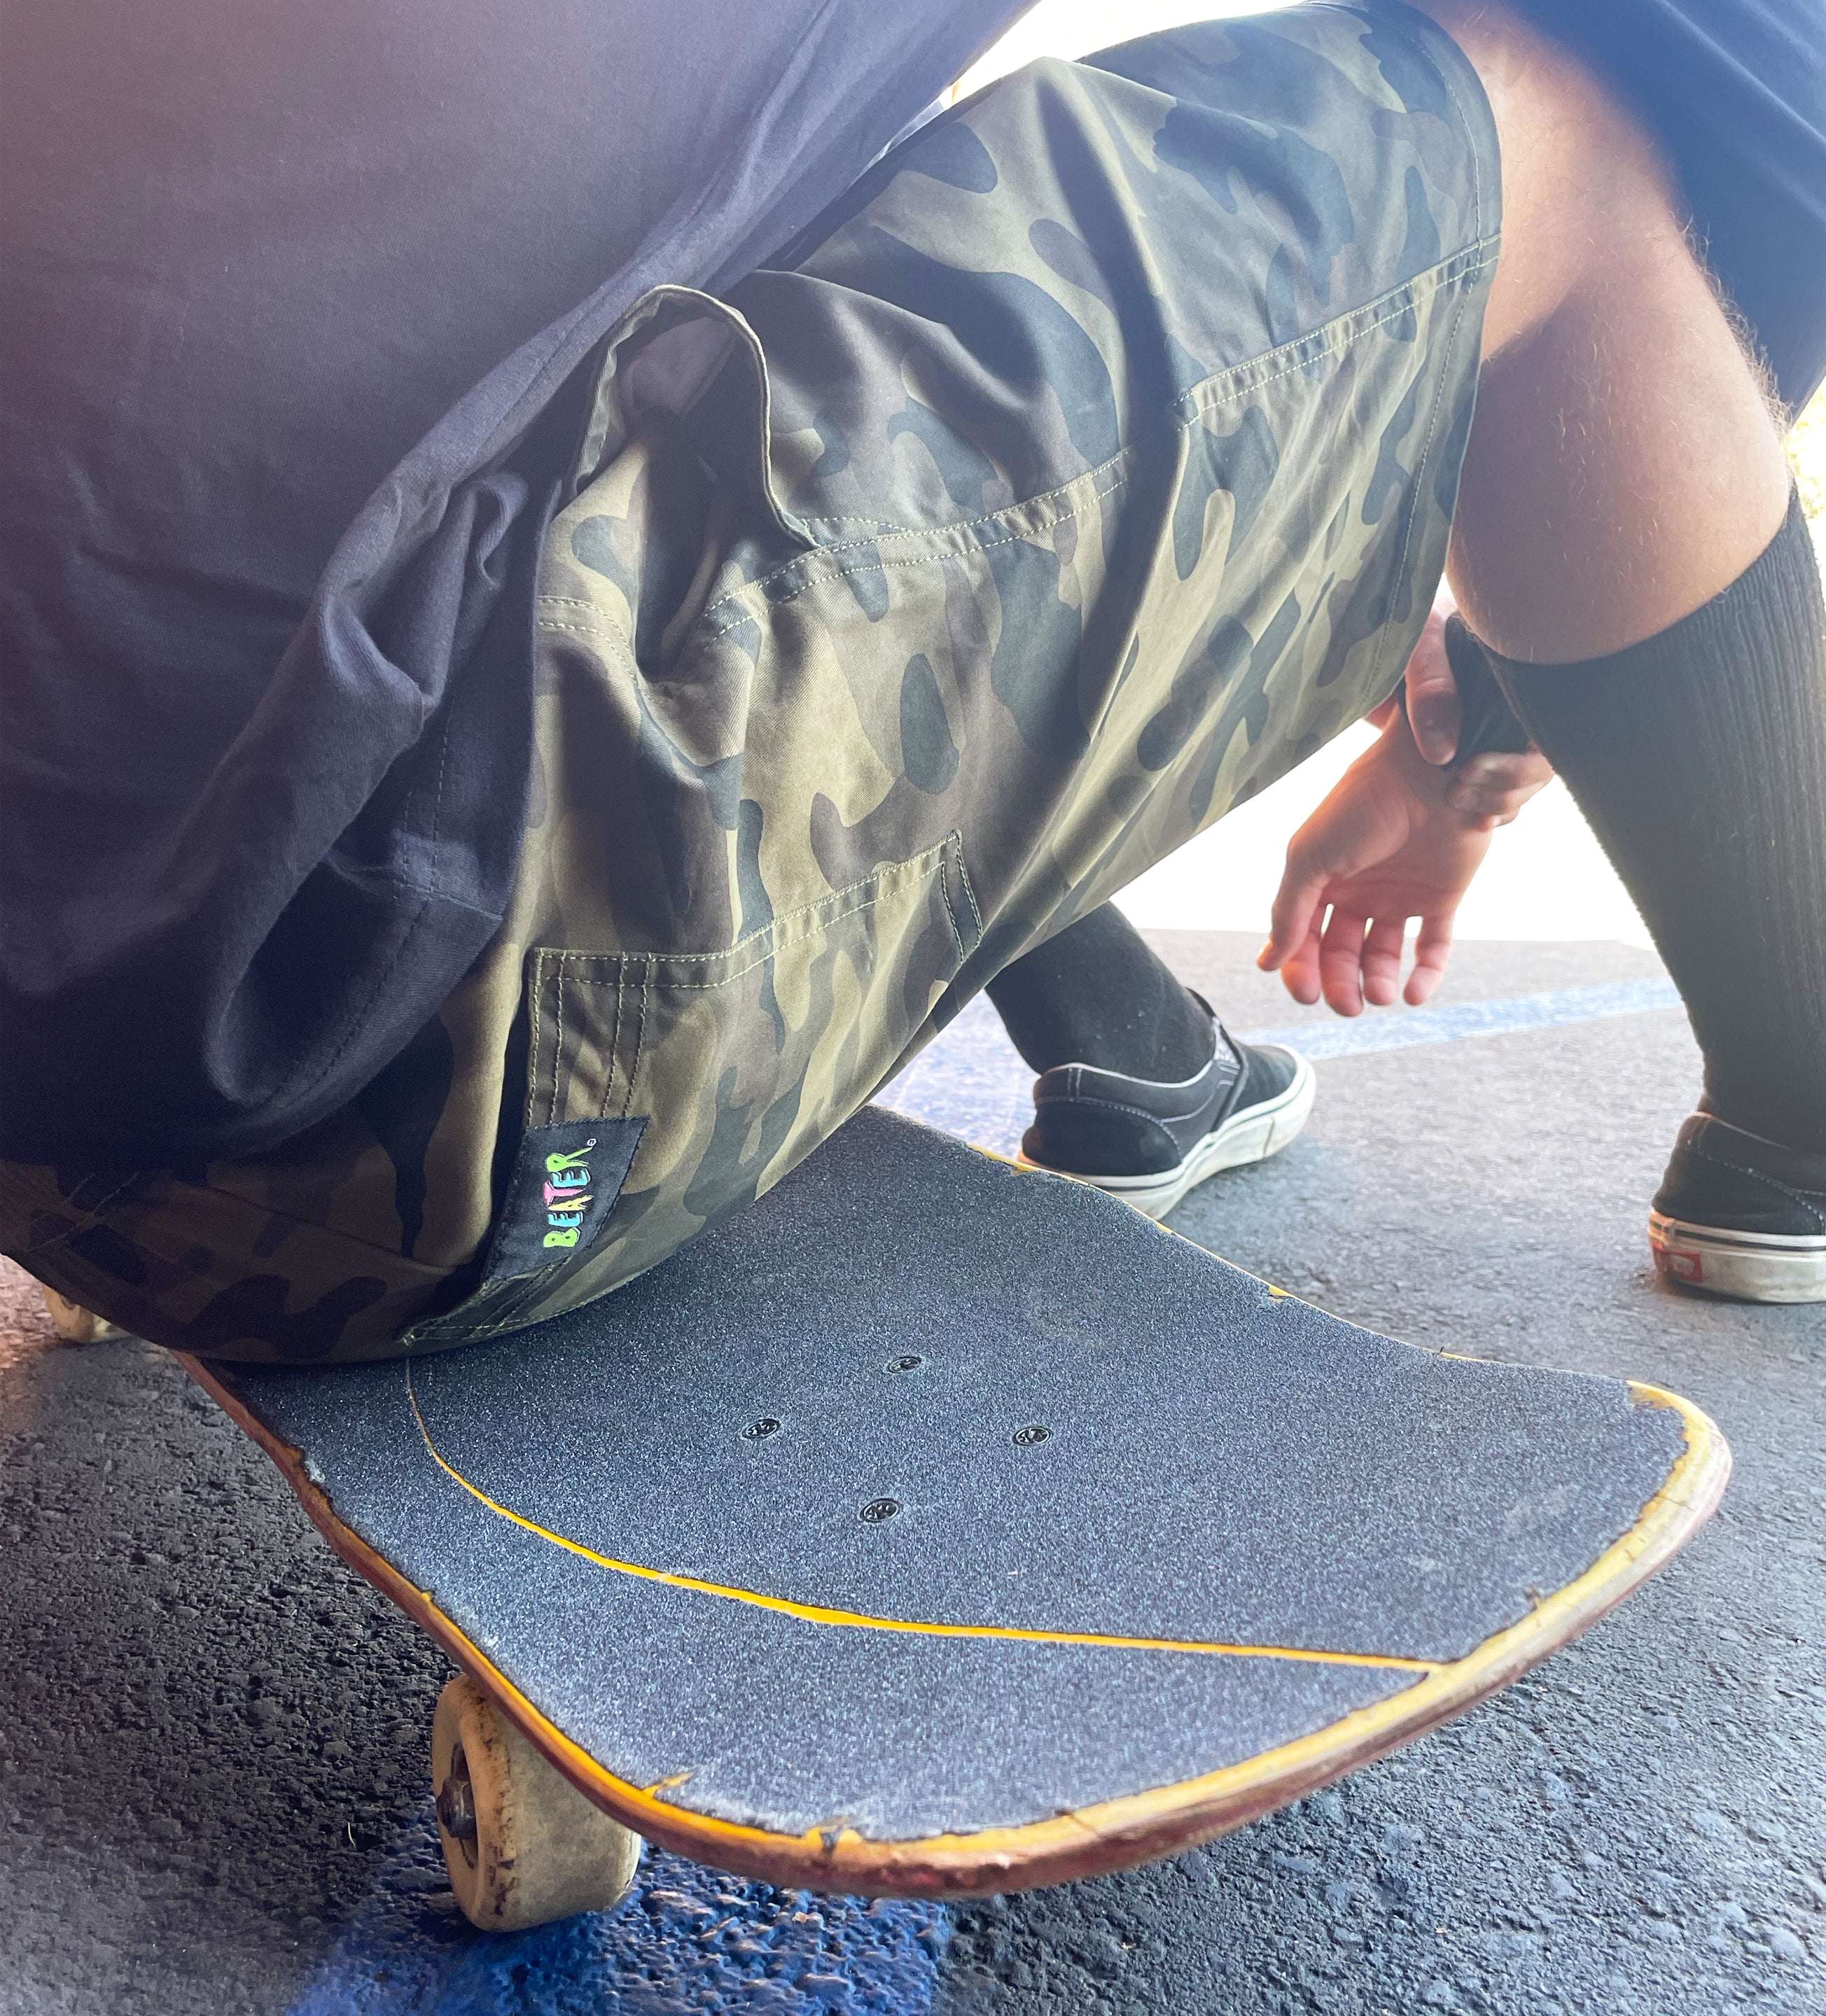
x=1148, y=1143
x=1738, y=1215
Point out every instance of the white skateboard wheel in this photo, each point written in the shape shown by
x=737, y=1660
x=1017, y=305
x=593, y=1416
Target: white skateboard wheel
x=523, y=1845
x=76, y=1325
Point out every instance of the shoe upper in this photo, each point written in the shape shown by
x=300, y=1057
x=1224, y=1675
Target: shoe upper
x=1091, y=1122
x=1721, y=1176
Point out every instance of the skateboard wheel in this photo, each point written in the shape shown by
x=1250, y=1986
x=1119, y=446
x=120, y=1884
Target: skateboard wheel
x=76, y=1325
x=523, y=1845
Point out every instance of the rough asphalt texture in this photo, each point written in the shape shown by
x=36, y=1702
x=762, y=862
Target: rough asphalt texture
x=211, y=1744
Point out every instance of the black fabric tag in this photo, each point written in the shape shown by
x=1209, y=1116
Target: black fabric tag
x=565, y=1184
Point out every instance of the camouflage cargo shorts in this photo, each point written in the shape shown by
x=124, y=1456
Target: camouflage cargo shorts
x=1085, y=468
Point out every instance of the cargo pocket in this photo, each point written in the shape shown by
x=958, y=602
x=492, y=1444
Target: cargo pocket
x=667, y=1090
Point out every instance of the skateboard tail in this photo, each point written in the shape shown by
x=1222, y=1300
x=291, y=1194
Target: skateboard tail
x=1095, y=1839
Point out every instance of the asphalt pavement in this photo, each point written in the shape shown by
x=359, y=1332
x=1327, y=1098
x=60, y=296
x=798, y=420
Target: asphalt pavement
x=213, y=1791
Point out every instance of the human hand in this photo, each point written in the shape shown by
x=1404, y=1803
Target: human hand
x=1492, y=787
x=1384, y=847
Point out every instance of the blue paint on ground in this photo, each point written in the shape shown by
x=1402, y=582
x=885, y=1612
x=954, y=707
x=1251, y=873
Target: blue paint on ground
x=1406, y=1028
x=972, y=1081
x=689, y=1942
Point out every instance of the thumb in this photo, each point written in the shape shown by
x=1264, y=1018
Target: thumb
x=1297, y=901
x=1433, y=709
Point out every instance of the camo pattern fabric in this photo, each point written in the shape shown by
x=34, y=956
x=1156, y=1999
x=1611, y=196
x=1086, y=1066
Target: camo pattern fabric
x=1089, y=467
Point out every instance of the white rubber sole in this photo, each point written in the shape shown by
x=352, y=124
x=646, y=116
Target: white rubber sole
x=1250, y=1136
x=1750, y=1266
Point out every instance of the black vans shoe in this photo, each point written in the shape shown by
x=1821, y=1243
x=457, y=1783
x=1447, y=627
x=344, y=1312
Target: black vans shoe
x=1149, y=1143
x=1738, y=1215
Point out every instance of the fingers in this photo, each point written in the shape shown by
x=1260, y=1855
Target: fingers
x=1354, y=960
x=1432, y=950
x=1494, y=787
x=1433, y=709
x=1340, y=962
x=1300, y=975
x=1348, y=960
x=1381, y=964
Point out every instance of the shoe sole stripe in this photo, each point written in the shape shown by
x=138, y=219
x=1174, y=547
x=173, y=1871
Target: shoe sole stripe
x=1747, y=1267
x=1251, y=1135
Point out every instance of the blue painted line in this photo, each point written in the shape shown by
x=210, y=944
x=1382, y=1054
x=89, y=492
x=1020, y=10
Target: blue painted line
x=690, y=1941
x=972, y=1082
x=1406, y=1029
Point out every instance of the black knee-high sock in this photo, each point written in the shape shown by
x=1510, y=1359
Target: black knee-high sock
x=1699, y=757
x=1096, y=995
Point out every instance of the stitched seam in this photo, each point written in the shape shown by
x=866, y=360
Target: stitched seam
x=917, y=869
x=710, y=986
x=1773, y=1182
x=1477, y=170
x=115, y=1197
x=639, y=1037
x=862, y=518
x=780, y=944
x=538, y=988
x=438, y=797
x=1410, y=295
x=923, y=532
x=1376, y=18
x=557, y=1047
x=952, y=916
x=951, y=919
x=62, y=1238
x=1221, y=1069
x=1412, y=292
x=1117, y=1105
x=610, y=1061
x=570, y=602
x=429, y=1274
x=122, y=1189
x=889, y=567
x=1417, y=489
x=615, y=1046
x=969, y=893
x=516, y=1291
x=580, y=629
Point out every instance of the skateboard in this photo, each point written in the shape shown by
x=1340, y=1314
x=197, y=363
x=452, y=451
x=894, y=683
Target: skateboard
x=937, y=1526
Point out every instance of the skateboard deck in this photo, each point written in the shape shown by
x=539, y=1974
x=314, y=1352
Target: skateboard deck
x=936, y=1526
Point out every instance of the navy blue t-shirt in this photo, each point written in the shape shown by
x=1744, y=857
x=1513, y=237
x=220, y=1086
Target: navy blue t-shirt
x=271, y=499
x=265, y=557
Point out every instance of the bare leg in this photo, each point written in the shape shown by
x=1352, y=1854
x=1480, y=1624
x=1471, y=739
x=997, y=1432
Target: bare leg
x=1624, y=466
x=1624, y=549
